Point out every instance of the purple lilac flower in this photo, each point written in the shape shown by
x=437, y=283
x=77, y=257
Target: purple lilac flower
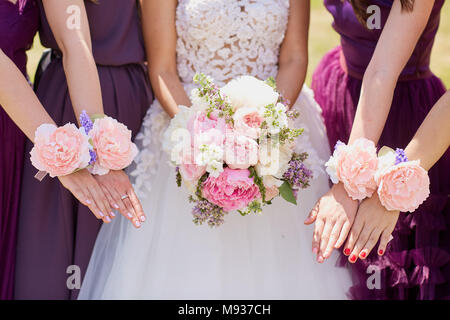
x=338, y=144
x=400, y=156
x=205, y=211
x=297, y=174
x=93, y=157
x=86, y=122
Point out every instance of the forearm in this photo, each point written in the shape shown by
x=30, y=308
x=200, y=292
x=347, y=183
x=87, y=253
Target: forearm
x=433, y=137
x=169, y=91
x=82, y=79
x=18, y=99
x=291, y=77
x=376, y=96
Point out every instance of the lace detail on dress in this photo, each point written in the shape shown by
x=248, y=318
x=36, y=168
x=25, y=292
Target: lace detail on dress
x=229, y=38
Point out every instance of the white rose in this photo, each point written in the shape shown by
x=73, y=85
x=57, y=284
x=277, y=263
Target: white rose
x=247, y=91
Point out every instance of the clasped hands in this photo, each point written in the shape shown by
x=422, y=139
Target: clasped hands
x=340, y=219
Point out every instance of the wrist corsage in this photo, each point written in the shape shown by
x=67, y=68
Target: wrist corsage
x=401, y=185
x=99, y=145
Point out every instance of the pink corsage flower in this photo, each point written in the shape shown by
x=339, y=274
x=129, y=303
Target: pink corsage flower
x=112, y=143
x=60, y=150
x=403, y=187
x=231, y=190
x=355, y=168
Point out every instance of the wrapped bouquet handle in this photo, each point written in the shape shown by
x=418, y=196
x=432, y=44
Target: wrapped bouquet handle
x=99, y=145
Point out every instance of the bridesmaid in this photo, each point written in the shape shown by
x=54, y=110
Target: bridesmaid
x=55, y=232
x=19, y=21
x=385, y=74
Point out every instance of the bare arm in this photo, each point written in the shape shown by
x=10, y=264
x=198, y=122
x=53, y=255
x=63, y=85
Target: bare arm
x=434, y=126
x=79, y=65
x=294, y=51
x=158, y=19
x=394, y=48
x=18, y=99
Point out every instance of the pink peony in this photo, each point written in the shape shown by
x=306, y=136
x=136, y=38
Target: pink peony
x=60, y=151
x=200, y=123
x=247, y=122
x=356, y=167
x=231, y=190
x=112, y=142
x=241, y=152
x=404, y=187
x=192, y=172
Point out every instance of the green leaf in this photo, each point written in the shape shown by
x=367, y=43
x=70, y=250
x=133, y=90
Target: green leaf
x=385, y=150
x=97, y=116
x=287, y=193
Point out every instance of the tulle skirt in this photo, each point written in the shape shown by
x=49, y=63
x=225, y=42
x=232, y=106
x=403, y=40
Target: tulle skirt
x=265, y=256
x=417, y=262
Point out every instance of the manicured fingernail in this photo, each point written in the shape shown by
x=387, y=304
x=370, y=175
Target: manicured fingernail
x=347, y=251
x=129, y=215
x=363, y=254
x=108, y=219
x=101, y=214
x=116, y=206
x=380, y=252
x=314, y=250
x=112, y=214
x=353, y=258
x=320, y=259
x=138, y=224
x=142, y=218
x=88, y=202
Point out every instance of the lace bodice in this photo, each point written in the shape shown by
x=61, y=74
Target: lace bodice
x=229, y=38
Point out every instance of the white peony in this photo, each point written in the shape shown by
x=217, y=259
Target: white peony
x=273, y=161
x=247, y=91
x=176, y=126
x=384, y=162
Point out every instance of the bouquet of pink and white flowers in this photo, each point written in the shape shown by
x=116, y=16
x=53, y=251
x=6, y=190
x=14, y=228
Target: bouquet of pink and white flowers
x=233, y=149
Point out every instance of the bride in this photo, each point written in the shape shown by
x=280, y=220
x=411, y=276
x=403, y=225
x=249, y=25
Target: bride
x=265, y=256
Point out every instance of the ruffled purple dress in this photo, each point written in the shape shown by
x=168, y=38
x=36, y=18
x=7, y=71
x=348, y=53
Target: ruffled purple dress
x=18, y=25
x=417, y=262
x=55, y=230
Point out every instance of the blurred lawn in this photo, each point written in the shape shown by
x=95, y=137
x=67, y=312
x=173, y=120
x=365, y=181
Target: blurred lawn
x=323, y=38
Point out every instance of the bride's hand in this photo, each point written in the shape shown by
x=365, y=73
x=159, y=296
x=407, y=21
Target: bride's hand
x=372, y=222
x=87, y=190
x=120, y=193
x=334, y=214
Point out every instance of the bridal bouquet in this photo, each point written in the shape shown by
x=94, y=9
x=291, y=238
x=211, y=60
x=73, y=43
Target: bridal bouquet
x=233, y=149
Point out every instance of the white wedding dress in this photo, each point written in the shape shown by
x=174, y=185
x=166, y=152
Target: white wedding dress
x=265, y=256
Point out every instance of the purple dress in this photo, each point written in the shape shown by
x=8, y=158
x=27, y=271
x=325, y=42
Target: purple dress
x=55, y=230
x=417, y=262
x=18, y=24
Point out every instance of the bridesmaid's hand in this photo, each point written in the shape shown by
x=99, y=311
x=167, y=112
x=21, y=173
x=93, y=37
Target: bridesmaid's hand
x=372, y=222
x=88, y=191
x=334, y=214
x=120, y=193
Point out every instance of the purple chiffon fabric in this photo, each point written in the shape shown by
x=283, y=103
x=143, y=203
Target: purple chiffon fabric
x=18, y=25
x=55, y=230
x=417, y=262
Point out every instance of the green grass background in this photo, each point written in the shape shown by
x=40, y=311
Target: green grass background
x=323, y=38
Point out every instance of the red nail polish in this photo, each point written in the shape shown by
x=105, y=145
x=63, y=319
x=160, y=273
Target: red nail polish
x=363, y=254
x=380, y=252
x=347, y=251
x=352, y=258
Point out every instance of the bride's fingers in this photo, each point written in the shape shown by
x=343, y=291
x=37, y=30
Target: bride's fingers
x=136, y=205
x=121, y=204
x=333, y=238
x=130, y=210
x=313, y=214
x=343, y=235
x=112, y=202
